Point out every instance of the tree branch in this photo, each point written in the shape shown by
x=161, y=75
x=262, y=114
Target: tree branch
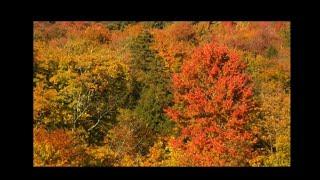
x=99, y=119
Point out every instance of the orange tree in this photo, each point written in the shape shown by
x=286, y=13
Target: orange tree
x=212, y=100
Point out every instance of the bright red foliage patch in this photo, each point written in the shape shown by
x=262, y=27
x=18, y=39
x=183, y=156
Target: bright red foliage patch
x=215, y=94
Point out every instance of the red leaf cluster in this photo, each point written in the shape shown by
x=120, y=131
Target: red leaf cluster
x=216, y=97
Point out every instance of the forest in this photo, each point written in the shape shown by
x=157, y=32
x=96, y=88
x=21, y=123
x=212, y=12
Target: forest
x=161, y=93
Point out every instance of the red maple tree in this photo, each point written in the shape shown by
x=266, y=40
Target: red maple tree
x=212, y=100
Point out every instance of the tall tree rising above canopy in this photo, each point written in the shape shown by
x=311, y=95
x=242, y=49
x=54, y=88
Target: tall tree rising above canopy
x=213, y=97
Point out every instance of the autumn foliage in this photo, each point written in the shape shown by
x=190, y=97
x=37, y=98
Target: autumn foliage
x=57, y=148
x=213, y=97
x=160, y=93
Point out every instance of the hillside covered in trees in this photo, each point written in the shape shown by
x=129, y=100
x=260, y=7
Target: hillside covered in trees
x=161, y=93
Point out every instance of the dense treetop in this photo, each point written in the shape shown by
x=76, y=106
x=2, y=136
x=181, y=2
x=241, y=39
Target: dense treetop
x=161, y=93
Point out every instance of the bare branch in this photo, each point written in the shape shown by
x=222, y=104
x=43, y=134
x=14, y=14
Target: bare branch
x=99, y=119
